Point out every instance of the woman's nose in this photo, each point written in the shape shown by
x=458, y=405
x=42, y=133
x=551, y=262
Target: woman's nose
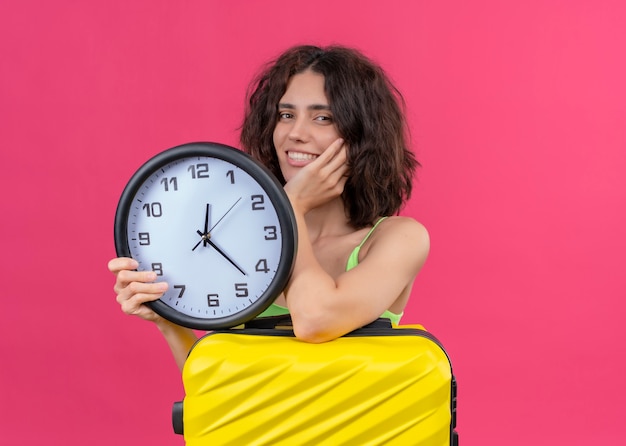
x=299, y=130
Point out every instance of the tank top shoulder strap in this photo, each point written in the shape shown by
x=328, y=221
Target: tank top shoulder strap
x=353, y=260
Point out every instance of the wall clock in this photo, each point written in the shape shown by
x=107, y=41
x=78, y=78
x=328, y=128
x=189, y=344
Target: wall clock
x=216, y=225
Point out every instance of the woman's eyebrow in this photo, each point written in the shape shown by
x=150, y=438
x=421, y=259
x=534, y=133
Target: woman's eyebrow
x=319, y=107
x=310, y=107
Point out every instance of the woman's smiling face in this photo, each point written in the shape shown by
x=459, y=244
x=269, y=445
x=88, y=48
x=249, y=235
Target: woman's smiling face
x=305, y=126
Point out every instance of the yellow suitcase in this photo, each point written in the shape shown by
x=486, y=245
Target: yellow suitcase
x=374, y=386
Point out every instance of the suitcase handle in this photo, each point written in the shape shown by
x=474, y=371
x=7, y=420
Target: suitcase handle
x=177, y=418
x=270, y=322
x=284, y=321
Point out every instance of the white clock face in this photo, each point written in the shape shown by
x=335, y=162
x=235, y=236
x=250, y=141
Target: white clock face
x=210, y=230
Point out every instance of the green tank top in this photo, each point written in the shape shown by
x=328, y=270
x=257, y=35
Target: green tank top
x=353, y=260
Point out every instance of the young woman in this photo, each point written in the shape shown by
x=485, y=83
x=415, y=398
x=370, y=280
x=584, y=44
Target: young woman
x=330, y=125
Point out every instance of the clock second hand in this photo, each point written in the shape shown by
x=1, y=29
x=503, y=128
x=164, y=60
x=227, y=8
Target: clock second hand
x=230, y=209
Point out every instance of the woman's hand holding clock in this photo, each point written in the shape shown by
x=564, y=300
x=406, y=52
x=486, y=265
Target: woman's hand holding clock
x=135, y=288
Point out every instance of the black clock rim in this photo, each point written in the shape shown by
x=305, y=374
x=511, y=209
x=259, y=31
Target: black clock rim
x=275, y=193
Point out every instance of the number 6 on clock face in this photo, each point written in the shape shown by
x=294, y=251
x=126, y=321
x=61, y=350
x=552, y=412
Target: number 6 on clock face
x=213, y=223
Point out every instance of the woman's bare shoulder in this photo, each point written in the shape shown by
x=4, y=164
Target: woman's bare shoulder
x=402, y=235
x=403, y=226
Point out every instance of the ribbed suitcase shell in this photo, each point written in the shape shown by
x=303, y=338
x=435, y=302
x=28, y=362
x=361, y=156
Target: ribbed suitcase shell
x=257, y=387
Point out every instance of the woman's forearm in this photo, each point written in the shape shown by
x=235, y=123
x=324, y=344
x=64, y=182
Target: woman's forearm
x=179, y=339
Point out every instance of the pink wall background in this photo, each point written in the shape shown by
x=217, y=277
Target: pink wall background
x=518, y=115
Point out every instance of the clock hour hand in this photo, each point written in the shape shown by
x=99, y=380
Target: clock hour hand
x=205, y=235
x=207, y=238
x=206, y=222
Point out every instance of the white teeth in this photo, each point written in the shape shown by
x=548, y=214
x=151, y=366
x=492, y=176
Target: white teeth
x=299, y=156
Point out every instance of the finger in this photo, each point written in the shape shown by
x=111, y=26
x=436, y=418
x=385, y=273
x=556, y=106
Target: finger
x=135, y=306
x=339, y=178
x=147, y=294
x=330, y=152
x=121, y=263
x=336, y=149
x=139, y=288
x=126, y=277
x=137, y=294
x=338, y=163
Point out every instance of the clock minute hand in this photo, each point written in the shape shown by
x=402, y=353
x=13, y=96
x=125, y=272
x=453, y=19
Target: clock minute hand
x=210, y=242
x=206, y=238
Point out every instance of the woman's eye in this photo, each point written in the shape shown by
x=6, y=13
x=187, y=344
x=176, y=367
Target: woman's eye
x=324, y=118
x=285, y=115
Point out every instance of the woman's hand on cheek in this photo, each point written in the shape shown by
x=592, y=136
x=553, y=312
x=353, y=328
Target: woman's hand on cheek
x=320, y=181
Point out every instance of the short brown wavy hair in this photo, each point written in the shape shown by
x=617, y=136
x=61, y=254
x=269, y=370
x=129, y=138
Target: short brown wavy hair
x=368, y=111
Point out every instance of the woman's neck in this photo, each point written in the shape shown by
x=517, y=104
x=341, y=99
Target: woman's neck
x=328, y=220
